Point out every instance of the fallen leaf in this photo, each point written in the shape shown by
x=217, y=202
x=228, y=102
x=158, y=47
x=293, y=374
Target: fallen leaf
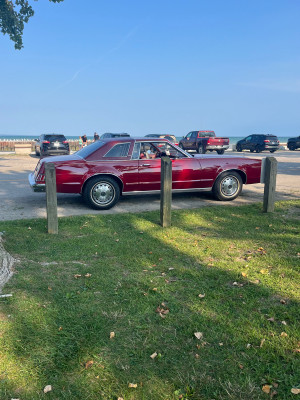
x=266, y=388
x=76, y=276
x=49, y=288
x=201, y=296
x=47, y=388
x=272, y=394
x=112, y=335
x=132, y=385
x=88, y=275
x=120, y=398
x=60, y=328
x=295, y=391
x=155, y=289
x=283, y=334
x=264, y=271
x=221, y=344
x=198, y=335
x=197, y=355
x=271, y=319
x=282, y=301
x=262, y=342
x=153, y=355
x=244, y=274
x=88, y=364
x=283, y=323
x=117, y=240
x=248, y=346
x=241, y=366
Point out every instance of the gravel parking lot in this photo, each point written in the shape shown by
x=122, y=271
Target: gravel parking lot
x=18, y=201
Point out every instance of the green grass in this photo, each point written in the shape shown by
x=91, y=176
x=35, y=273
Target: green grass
x=244, y=261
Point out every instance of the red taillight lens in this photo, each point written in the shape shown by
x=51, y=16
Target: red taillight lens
x=65, y=141
x=46, y=141
x=266, y=141
x=208, y=142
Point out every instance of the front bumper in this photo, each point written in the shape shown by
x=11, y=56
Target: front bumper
x=36, y=187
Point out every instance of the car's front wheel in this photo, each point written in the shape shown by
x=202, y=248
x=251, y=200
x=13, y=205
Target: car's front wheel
x=239, y=148
x=101, y=192
x=227, y=186
x=292, y=147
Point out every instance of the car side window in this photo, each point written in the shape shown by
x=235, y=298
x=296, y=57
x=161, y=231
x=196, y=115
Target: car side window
x=194, y=135
x=249, y=138
x=119, y=150
x=189, y=135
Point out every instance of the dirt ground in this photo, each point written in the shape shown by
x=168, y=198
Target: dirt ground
x=18, y=201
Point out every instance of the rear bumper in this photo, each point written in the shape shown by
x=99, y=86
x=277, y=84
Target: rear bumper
x=217, y=147
x=35, y=186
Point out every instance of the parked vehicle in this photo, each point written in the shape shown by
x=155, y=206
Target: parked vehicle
x=202, y=141
x=258, y=143
x=113, y=135
x=293, y=143
x=51, y=144
x=106, y=169
x=170, y=138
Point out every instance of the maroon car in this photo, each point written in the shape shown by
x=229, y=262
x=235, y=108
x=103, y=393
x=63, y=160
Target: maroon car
x=107, y=169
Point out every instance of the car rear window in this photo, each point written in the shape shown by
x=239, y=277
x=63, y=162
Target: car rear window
x=91, y=148
x=55, y=138
x=119, y=150
x=271, y=137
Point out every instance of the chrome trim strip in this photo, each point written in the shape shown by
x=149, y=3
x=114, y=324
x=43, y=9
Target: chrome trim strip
x=173, y=190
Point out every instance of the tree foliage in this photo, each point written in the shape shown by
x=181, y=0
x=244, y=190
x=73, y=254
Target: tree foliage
x=13, y=16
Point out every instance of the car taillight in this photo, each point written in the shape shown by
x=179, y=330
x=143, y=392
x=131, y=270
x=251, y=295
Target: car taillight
x=266, y=141
x=46, y=141
x=208, y=142
x=65, y=141
x=40, y=177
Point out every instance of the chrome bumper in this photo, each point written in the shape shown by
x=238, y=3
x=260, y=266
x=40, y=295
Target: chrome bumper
x=34, y=186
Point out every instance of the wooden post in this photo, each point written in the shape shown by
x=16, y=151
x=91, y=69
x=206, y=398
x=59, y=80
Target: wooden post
x=51, y=198
x=270, y=184
x=165, y=192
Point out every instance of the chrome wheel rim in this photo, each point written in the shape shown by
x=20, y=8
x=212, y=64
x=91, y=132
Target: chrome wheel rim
x=103, y=193
x=229, y=186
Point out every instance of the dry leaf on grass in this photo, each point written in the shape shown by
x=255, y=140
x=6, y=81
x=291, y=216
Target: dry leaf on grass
x=201, y=295
x=262, y=342
x=295, y=391
x=76, y=276
x=266, y=388
x=88, y=364
x=153, y=355
x=283, y=334
x=198, y=335
x=112, y=335
x=132, y=385
x=47, y=388
x=88, y=275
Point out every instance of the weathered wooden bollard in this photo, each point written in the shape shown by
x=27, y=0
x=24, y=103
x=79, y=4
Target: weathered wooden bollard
x=51, y=198
x=269, y=173
x=165, y=192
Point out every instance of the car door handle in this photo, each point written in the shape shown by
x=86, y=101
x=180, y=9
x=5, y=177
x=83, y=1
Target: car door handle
x=146, y=165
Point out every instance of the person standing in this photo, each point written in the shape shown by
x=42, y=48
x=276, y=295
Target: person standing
x=84, y=140
x=96, y=136
x=80, y=142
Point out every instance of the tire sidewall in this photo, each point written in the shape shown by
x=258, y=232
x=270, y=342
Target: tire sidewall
x=217, y=188
x=88, y=189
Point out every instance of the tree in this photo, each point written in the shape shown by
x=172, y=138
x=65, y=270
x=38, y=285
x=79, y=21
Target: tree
x=13, y=15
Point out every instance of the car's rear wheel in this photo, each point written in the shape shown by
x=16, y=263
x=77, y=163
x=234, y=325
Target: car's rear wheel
x=201, y=149
x=37, y=153
x=227, y=186
x=239, y=148
x=292, y=147
x=101, y=192
x=220, y=151
x=257, y=149
x=272, y=151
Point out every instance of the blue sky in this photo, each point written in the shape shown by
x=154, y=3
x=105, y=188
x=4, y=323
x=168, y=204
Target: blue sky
x=154, y=67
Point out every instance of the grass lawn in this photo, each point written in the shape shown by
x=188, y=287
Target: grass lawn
x=91, y=305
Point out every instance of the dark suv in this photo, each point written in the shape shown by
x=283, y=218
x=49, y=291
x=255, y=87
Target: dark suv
x=293, y=143
x=113, y=135
x=258, y=143
x=51, y=144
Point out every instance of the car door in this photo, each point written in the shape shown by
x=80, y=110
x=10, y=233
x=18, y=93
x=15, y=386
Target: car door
x=186, y=171
x=186, y=141
x=248, y=142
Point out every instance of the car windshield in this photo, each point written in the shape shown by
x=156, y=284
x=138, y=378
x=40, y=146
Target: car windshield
x=87, y=150
x=54, y=138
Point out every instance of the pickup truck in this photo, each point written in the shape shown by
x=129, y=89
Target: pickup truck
x=202, y=141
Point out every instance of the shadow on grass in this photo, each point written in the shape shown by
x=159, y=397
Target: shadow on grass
x=59, y=329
